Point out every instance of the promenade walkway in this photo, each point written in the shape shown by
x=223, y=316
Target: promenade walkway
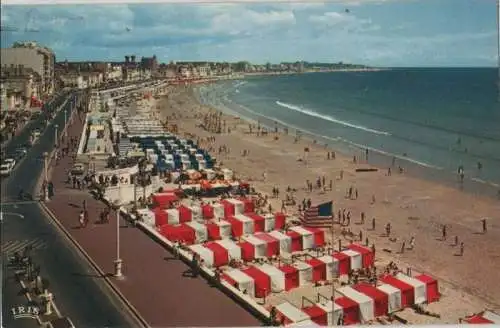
x=154, y=283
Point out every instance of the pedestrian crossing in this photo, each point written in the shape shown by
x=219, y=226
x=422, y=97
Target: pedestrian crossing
x=12, y=246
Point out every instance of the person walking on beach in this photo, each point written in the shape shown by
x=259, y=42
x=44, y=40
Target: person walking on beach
x=485, y=228
x=373, y=224
x=456, y=241
x=444, y=232
x=403, y=246
x=412, y=242
x=461, y=249
x=362, y=217
x=388, y=229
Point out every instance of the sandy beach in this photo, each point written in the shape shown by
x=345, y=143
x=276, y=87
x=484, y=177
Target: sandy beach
x=412, y=206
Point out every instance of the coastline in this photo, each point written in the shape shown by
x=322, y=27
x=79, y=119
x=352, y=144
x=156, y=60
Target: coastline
x=412, y=205
x=309, y=71
x=378, y=158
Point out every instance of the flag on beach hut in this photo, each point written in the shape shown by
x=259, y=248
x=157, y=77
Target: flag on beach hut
x=319, y=216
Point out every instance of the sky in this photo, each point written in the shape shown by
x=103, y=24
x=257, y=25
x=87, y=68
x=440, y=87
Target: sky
x=386, y=33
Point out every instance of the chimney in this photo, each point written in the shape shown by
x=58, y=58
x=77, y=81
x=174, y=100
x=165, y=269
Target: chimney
x=127, y=59
x=132, y=58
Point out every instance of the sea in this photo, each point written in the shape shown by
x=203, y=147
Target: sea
x=430, y=121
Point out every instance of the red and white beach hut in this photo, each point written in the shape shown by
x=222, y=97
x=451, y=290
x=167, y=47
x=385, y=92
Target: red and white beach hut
x=393, y=297
x=248, y=204
x=485, y=317
x=204, y=253
x=164, y=199
x=290, y=314
x=173, y=216
x=240, y=280
x=284, y=240
x=259, y=246
x=160, y=217
x=219, y=229
x=272, y=244
x=258, y=220
x=324, y=313
x=318, y=269
x=356, y=259
x=319, y=236
x=279, y=220
x=365, y=303
x=305, y=272
x=368, y=258
x=330, y=264
x=419, y=287
x=342, y=263
x=200, y=231
x=291, y=276
x=276, y=275
x=196, y=212
x=307, y=237
x=213, y=211
x=241, y=225
x=407, y=292
x=232, y=248
x=147, y=216
x=431, y=286
x=262, y=282
x=350, y=310
x=185, y=214
x=296, y=240
x=269, y=222
x=233, y=206
x=220, y=254
x=380, y=299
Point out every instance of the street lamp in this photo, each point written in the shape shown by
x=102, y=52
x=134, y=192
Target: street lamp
x=55, y=134
x=118, y=262
x=46, y=176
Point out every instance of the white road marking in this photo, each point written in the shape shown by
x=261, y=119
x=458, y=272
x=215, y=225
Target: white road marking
x=12, y=246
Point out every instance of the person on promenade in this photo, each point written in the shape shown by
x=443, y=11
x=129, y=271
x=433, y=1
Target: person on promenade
x=81, y=219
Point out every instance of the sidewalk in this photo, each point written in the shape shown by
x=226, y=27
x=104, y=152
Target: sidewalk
x=154, y=282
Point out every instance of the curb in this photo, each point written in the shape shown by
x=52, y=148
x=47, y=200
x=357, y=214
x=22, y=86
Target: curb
x=143, y=323
x=37, y=318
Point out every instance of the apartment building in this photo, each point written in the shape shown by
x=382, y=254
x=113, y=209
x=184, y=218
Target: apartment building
x=31, y=55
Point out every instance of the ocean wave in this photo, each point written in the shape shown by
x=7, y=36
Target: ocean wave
x=330, y=118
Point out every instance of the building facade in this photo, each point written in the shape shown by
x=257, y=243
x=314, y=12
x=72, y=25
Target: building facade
x=31, y=55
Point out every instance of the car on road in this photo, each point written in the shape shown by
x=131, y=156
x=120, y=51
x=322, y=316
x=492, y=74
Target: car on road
x=7, y=166
x=21, y=152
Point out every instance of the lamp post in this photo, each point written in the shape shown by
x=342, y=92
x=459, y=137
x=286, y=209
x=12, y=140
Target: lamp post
x=118, y=261
x=46, y=176
x=56, y=126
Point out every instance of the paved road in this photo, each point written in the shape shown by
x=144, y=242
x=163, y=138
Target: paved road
x=80, y=293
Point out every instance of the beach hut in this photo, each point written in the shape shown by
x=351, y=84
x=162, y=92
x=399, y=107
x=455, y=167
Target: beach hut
x=173, y=216
x=177, y=233
x=160, y=217
x=248, y=204
x=291, y=276
x=393, y=297
x=147, y=216
x=240, y=280
x=319, y=236
x=317, y=314
x=220, y=255
x=365, y=303
x=307, y=237
x=279, y=220
x=185, y=214
x=296, y=240
x=305, y=272
x=247, y=224
x=407, y=292
x=419, y=287
x=259, y=221
x=218, y=229
x=272, y=244
x=431, y=286
x=284, y=241
x=343, y=263
x=196, y=212
x=380, y=299
x=262, y=281
x=330, y=270
x=259, y=246
x=350, y=310
x=247, y=251
x=200, y=231
x=232, y=248
x=368, y=258
x=355, y=257
x=290, y=314
x=269, y=222
x=164, y=199
x=232, y=206
x=206, y=254
x=276, y=275
x=318, y=269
